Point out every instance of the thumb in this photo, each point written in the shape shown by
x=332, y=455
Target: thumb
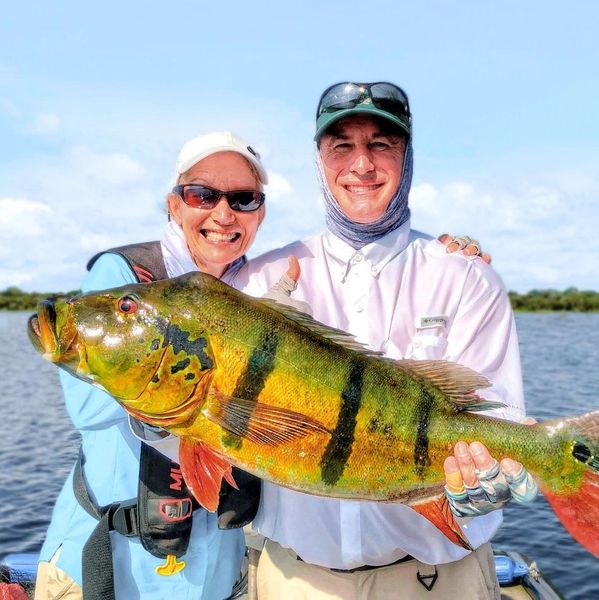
x=294, y=271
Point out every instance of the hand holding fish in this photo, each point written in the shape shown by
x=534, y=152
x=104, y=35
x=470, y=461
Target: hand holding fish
x=477, y=484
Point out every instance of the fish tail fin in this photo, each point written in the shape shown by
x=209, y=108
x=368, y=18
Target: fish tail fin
x=438, y=512
x=578, y=508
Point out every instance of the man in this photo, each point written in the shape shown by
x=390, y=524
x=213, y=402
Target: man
x=398, y=292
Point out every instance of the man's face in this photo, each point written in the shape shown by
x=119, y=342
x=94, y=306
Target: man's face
x=362, y=166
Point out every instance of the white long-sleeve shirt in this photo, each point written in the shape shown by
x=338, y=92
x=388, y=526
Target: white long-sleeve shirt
x=405, y=296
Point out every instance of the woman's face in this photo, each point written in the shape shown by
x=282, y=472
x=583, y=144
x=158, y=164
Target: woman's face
x=217, y=236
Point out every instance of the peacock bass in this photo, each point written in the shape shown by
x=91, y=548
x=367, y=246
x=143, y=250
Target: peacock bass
x=257, y=385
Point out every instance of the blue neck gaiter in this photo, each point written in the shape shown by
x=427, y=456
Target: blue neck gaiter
x=358, y=235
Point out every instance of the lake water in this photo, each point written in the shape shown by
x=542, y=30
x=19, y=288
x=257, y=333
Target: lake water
x=560, y=353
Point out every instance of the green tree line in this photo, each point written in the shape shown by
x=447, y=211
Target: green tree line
x=13, y=298
x=571, y=299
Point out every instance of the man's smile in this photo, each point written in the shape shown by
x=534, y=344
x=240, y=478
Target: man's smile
x=362, y=188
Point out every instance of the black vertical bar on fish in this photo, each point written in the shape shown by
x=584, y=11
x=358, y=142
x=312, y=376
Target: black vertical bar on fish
x=421, y=420
x=250, y=384
x=180, y=341
x=339, y=448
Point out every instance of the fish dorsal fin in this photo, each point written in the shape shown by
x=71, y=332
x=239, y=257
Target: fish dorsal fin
x=457, y=382
x=338, y=336
x=259, y=422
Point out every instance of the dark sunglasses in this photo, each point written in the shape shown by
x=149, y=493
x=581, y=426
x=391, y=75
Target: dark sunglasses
x=201, y=196
x=385, y=96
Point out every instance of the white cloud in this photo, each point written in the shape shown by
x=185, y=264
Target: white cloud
x=278, y=187
x=424, y=198
x=104, y=181
x=15, y=277
x=45, y=124
x=91, y=242
x=540, y=233
x=22, y=218
x=110, y=168
x=91, y=201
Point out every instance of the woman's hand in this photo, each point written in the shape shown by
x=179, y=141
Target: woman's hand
x=464, y=244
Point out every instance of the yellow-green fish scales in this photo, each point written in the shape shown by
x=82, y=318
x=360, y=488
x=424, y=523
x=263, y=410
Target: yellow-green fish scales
x=209, y=363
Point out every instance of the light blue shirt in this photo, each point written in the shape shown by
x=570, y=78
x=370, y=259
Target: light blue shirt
x=111, y=471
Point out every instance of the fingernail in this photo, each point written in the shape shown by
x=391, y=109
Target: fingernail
x=451, y=467
x=510, y=466
x=461, y=448
x=476, y=448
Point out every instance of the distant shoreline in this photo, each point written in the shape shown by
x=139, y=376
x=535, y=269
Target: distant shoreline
x=569, y=300
x=13, y=298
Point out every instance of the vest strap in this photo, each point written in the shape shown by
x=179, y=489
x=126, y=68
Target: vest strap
x=161, y=516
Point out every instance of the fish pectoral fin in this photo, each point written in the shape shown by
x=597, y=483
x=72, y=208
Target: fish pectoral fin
x=260, y=423
x=204, y=471
x=437, y=511
x=457, y=382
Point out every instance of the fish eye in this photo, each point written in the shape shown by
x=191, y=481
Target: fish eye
x=127, y=305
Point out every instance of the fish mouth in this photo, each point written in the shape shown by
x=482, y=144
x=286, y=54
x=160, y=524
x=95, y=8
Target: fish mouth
x=33, y=329
x=42, y=330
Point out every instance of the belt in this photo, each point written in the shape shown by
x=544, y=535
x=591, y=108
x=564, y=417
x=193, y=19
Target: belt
x=406, y=558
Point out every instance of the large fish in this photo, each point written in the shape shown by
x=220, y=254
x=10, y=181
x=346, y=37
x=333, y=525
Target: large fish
x=249, y=383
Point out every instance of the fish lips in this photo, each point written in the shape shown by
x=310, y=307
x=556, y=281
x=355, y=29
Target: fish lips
x=33, y=329
x=42, y=329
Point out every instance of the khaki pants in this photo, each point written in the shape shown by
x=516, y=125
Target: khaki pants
x=52, y=583
x=282, y=576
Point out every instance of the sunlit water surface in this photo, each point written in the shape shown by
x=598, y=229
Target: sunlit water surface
x=560, y=354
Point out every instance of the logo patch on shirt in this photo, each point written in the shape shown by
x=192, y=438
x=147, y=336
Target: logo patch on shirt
x=431, y=321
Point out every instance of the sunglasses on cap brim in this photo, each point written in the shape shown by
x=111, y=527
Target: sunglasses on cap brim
x=385, y=96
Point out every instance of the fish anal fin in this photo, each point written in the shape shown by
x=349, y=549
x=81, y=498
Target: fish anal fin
x=258, y=422
x=457, y=382
x=203, y=471
x=437, y=511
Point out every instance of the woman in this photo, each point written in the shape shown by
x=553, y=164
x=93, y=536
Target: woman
x=215, y=210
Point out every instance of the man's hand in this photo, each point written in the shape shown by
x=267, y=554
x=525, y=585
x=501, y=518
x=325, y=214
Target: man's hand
x=477, y=484
x=464, y=244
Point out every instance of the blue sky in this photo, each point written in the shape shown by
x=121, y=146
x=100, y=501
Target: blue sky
x=95, y=102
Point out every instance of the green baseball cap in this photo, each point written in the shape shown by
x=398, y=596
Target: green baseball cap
x=382, y=99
